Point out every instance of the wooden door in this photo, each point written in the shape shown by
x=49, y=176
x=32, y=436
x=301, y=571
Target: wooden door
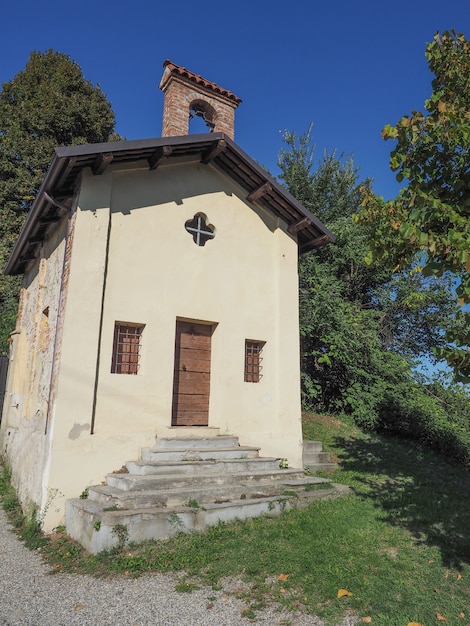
x=191, y=382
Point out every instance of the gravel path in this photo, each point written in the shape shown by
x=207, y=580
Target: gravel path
x=31, y=596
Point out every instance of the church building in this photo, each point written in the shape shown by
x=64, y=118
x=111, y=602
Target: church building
x=159, y=299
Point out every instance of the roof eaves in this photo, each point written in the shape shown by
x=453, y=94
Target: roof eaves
x=68, y=161
x=42, y=200
x=282, y=191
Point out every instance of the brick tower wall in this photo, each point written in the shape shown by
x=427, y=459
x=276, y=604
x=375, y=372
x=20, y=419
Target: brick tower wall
x=180, y=95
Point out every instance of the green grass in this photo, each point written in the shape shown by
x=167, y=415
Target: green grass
x=400, y=544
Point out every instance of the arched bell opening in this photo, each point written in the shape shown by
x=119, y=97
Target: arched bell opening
x=202, y=116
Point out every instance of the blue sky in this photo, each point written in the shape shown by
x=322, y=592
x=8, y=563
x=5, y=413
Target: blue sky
x=349, y=67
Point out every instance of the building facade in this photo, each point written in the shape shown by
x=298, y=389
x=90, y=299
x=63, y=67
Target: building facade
x=160, y=298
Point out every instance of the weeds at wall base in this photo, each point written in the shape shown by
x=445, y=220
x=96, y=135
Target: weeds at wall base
x=61, y=552
x=26, y=525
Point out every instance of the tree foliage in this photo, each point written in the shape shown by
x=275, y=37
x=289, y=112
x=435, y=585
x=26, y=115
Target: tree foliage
x=48, y=104
x=431, y=215
x=363, y=328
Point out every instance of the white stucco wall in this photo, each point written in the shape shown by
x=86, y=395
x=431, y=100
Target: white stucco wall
x=133, y=261
x=244, y=280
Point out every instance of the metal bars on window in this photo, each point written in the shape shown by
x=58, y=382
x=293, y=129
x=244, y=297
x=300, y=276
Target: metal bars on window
x=199, y=229
x=126, y=348
x=253, y=360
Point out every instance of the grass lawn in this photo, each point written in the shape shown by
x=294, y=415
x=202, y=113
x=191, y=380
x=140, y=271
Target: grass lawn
x=400, y=544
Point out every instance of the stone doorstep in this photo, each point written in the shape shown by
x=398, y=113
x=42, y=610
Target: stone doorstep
x=183, y=443
x=128, y=482
x=95, y=528
x=159, y=499
x=199, y=454
x=218, y=493
x=203, y=466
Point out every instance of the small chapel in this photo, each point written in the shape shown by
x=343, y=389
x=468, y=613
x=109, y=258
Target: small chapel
x=159, y=299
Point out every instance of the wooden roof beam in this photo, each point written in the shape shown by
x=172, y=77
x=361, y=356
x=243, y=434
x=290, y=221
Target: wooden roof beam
x=27, y=258
x=212, y=153
x=258, y=192
x=300, y=225
x=49, y=219
x=315, y=243
x=101, y=163
x=57, y=203
x=159, y=156
x=35, y=239
x=70, y=164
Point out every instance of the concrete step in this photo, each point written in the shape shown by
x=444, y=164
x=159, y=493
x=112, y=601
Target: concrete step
x=199, y=453
x=314, y=459
x=204, y=466
x=98, y=529
x=128, y=482
x=321, y=467
x=181, y=443
x=312, y=446
x=182, y=485
x=111, y=497
x=317, y=457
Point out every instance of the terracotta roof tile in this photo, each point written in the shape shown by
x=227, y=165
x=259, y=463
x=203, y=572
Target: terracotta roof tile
x=185, y=73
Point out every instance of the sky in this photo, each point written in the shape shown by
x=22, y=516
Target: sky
x=347, y=66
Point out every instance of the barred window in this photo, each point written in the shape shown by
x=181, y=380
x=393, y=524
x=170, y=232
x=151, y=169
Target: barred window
x=126, y=348
x=253, y=360
x=199, y=229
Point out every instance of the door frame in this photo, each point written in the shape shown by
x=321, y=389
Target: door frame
x=192, y=373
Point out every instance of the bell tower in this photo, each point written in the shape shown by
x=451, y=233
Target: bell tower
x=188, y=95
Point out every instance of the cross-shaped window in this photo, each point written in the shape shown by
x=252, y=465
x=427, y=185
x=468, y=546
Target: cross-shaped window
x=200, y=231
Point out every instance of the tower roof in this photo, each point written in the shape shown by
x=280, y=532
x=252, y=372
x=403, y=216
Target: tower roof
x=171, y=69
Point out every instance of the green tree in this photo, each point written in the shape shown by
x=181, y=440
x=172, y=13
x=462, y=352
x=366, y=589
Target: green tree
x=431, y=215
x=48, y=104
x=362, y=328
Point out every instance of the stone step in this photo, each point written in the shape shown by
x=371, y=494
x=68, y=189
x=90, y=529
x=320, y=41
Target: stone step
x=111, y=497
x=205, y=466
x=181, y=485
x=98, y=529
x=316, y=458
x=321, y=467
x=136, y=482
x=199, y=453
x=180, y=443
x=312, y=446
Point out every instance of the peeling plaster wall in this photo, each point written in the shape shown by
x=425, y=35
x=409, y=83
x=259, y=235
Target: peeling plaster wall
x=23, y=437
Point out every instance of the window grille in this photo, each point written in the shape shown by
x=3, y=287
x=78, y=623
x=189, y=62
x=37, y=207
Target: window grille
x=253, y=360
x=126, y=348
x=199, y=229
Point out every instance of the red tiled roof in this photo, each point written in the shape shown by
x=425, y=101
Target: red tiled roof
x=199, y=80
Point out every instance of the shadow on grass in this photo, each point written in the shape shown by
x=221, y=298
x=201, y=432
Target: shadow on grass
x=414, y=489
